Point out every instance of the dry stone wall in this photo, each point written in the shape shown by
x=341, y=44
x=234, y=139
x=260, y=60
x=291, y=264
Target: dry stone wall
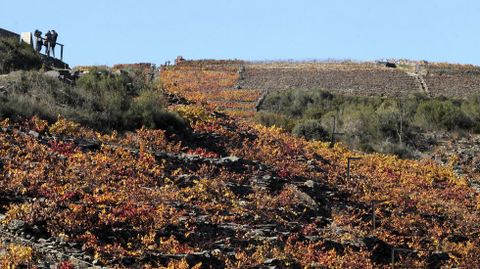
x=453, y=81
x=361, y=79
x=5, y=33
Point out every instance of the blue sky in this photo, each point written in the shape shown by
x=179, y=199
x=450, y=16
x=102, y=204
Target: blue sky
x=128, y=31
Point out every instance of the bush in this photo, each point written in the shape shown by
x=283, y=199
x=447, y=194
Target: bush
x=360, y=124
x=395, y=119
x=294, y=103
x=32, y=93
x=149, y=109
x=270, y=119
x=310, y=129
x=17, y=56
x=99, y=100
x=401, y=150
x=471, y=108
x=369, y=123
x=441, y=114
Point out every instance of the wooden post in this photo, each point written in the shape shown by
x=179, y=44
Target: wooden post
x=349, y=159
x=374, y=215
x=348, y=168
x=393, y=258
x=61, y=52
x=332, y=141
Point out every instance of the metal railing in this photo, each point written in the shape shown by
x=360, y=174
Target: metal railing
x=56, y=43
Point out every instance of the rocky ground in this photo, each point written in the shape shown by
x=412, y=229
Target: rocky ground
x=464, y=152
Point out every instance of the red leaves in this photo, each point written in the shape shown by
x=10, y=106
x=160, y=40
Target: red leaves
x=130, y=210
x=63, y=148
x=65, y=265
x=284, y=172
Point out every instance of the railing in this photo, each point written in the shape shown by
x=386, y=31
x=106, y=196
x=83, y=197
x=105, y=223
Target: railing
x=56, y=43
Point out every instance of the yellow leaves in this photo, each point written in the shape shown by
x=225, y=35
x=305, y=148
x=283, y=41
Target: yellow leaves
x=137, y=193
x=210, y=87
x=74, y=207
x=18, y=211
x=453, y=160
x=151, y=139
x=182, y=264
x=149, y=240
x=64, y=127
x=14, y=256
x=194, y=113
x=37, y=124
x=200, y=191
x=5, y=123
x=177, y=171
x=172, y=246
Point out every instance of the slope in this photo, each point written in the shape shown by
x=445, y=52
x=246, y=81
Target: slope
x=228, y=193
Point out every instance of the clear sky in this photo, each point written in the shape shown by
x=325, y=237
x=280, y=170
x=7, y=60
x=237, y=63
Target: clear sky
x=128, y=31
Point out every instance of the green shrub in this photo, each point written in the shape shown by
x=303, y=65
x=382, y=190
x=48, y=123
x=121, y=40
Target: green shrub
x=295, y=103
x=389, y=125
x=439, y=114
x=314, y=112
x=471, y=108
x=395, y=118
x=310, y=129
x=149, y=110
x=32, y=93
x=100, y=100
x=17, y=56
x=401, y=150
x=270, y=119
x=359, y=123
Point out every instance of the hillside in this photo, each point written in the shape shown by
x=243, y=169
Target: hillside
x=369, y=79
x=364, y=79
x=238, y=87
x=223, y=193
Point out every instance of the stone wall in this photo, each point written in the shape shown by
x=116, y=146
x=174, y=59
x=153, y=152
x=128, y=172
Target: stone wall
x=453, y=81
x=360, y=80
x=6, y=33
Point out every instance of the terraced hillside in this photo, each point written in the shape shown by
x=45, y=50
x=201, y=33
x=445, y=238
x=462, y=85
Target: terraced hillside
x=230, y=194
x=453, y=80
x=213, y=83
x=242, y=83
x=350, y=78
x=224, y=193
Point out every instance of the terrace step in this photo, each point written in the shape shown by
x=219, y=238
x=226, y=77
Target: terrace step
x=420, y=81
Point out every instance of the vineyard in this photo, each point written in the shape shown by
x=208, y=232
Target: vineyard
x=359, y=79
x=453, y=80
x=368, y=79
x=226, y=193
x=213, y=84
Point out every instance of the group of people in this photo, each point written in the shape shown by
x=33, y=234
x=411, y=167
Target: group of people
x=49, y=41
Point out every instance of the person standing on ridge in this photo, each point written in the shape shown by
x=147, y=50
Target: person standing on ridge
x=38, y=40
x=48, y=42
x=54, y=41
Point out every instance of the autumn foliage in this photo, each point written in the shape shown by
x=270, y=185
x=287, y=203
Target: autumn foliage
x=246, y=194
